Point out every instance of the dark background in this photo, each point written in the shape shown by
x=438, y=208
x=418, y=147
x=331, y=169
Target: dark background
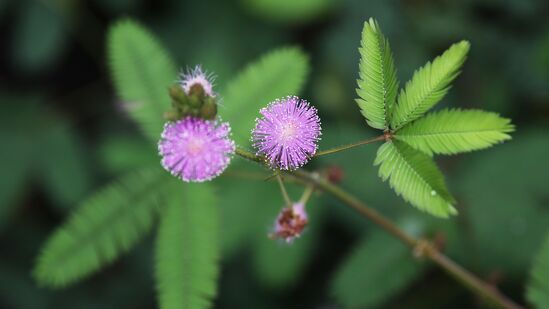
x=62, y=135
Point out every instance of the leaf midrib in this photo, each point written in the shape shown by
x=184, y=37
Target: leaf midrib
x=451, y=133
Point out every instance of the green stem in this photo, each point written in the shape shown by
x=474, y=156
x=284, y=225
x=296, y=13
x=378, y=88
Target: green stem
x=307, y=194
x=421, y=247
x=349, y=146
x=283, y=190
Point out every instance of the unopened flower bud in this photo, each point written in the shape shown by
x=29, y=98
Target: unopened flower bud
x=208, y=109
x=291, y=222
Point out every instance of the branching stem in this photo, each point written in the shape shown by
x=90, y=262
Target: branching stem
x=421, y=247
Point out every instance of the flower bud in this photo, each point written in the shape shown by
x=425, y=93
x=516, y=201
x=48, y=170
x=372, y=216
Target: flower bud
x=291, y=222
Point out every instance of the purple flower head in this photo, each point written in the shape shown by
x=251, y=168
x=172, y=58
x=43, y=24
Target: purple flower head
x=291, y=222
x=197, y=77
x=195, y=149
x=288, y=133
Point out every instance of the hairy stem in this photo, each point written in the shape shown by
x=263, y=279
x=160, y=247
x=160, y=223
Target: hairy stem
x=421, y=247
x=349, y=146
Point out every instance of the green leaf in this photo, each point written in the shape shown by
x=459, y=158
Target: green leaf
x=538, y=286
x=106, y=225
x=453, y=131
x=378, y=85
x=187, y=248
x=377, y=269
x=277, y=74
x=428, y=85
x=121, y=153
x=288, y=10
x=142, y=71
x=415, y=176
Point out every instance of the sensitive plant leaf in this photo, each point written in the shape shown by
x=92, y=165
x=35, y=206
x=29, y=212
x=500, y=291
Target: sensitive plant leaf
x=187, y=248
x=377, y=269
x=142, y=71
x=538, y=286
x=121, y=153
x=106, y=225
x=428, y=85
x=277, y=74
x=288, y=10
x=378, y=85
x=415, y=176
x=454, y=131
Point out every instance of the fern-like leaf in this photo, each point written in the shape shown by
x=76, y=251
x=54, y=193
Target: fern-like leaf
x=538, y=286
x=428, y=85
x=454, y=131
x=187, y=248
x=142, y=71
x=107, y=225
x=277, y=74
x=415, y=176
x=377, y=269
x=378, y=85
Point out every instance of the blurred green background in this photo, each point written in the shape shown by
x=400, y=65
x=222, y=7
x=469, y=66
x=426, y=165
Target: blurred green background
x=63, y=134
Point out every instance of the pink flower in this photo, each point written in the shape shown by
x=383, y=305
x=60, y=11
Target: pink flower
x=195, y=149
x=288, y=133
x=197, y=77
x=290, y=222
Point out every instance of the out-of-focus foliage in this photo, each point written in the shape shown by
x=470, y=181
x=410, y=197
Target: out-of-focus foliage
x=142, y=71
x=503, y=194
x=288, y=10
x=32, y=52
x=106, y=225
x=122, y=153
x=187, y=248
x=376, y=269
x=538, y=287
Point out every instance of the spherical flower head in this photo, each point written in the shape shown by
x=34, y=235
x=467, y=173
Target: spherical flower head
x=288, y=133
x=291, y=222
x=195, y=149
x=197, y=77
